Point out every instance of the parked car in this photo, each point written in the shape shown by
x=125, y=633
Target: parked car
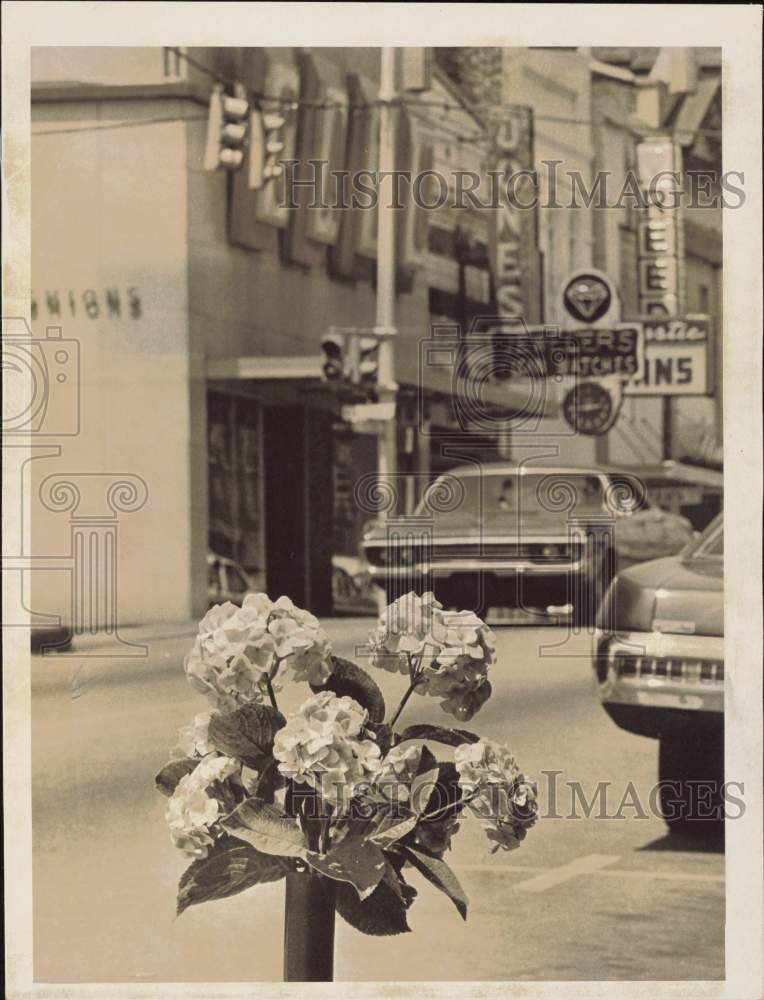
x=541, y=537
x=659, y=667
x=226, y=580
x=694, y=491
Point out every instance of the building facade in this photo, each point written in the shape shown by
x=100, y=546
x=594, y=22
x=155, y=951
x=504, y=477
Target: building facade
x=196, y=305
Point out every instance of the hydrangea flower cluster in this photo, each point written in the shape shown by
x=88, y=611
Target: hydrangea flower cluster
x=238, y=650
x=321, y=746
x=200, y=799
x=447, y=652
x=403, y=631
x=194, y=740
x=497, y=791
x=337, y=789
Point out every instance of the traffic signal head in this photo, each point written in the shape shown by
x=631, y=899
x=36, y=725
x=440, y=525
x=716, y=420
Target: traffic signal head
x=333, y=349
x=368, y=361
x=227, y=129
x=266, y=142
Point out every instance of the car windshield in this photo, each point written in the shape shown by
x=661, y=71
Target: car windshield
x=710, y=545
x=529, y=493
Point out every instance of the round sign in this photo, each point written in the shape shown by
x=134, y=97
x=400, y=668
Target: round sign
x=589, y=408
x=587, y=296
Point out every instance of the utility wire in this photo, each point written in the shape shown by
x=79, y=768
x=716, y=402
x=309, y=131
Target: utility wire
x=480, y=138
x=108, y=126
x=495, y=110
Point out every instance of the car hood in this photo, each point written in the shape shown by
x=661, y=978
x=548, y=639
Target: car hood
x=642, y=535
x=680, y=596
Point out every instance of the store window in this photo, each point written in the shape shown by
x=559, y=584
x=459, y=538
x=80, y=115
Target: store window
x=234, y=448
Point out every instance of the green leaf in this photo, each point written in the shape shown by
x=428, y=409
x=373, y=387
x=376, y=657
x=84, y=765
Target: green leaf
x=348, y=679
x=354, y=860
x=439, y=734
x=267, y=828
x=437, y=871
x=167, y=779
x=392, y=827
x=230, y=867
x=380, y=914
x=425, y=782
x=246, y=733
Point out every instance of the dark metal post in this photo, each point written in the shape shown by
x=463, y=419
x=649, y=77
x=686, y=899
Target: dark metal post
x=308, y=929
x=668, y=443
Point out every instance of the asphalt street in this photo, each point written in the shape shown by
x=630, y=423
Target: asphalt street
x=609, y=896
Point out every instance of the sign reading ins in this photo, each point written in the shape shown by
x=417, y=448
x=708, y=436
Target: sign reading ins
x=676, y=357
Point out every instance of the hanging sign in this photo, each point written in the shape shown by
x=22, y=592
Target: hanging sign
x=589, y=296
x=513, y=240
x=591, y=408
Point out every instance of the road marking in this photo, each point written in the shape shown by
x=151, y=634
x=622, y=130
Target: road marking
x=670, y=876
x=583, y=866
x=586, y=864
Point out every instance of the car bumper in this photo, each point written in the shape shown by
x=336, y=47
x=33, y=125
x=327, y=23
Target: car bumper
x=656, y=671
x=468, y=583
x=445, y=569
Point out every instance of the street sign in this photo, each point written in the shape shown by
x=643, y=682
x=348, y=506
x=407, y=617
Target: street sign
x=677, y=351
x=588, y=295
x=590, y=408
x=362, y=412
x=592, y=351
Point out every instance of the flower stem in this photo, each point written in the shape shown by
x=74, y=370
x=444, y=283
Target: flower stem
x=404, y=699
x=465, y=800
x=271, y=693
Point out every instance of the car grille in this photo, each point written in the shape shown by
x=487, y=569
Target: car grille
x=673, y=668
x=507, y=550
x=400, y=553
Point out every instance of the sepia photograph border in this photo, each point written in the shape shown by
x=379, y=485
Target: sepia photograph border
x=736, y=28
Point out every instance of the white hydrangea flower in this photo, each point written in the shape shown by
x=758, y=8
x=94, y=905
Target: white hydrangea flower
x=194, y=808
x=194, y=740
x=502, y=796
x=451, y=650
x=397, y=772
x=403, y=630
x=319, y=747
x=237, y=648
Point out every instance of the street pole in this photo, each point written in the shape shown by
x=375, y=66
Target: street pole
x=386, y=385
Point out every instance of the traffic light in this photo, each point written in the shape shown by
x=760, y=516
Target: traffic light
x=367, y=363
x=350, y=355
x=333, y=348
x=227, y=129
x=266, y=142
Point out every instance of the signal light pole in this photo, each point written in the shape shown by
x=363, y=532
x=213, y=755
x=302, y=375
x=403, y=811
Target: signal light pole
x=387, y=447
